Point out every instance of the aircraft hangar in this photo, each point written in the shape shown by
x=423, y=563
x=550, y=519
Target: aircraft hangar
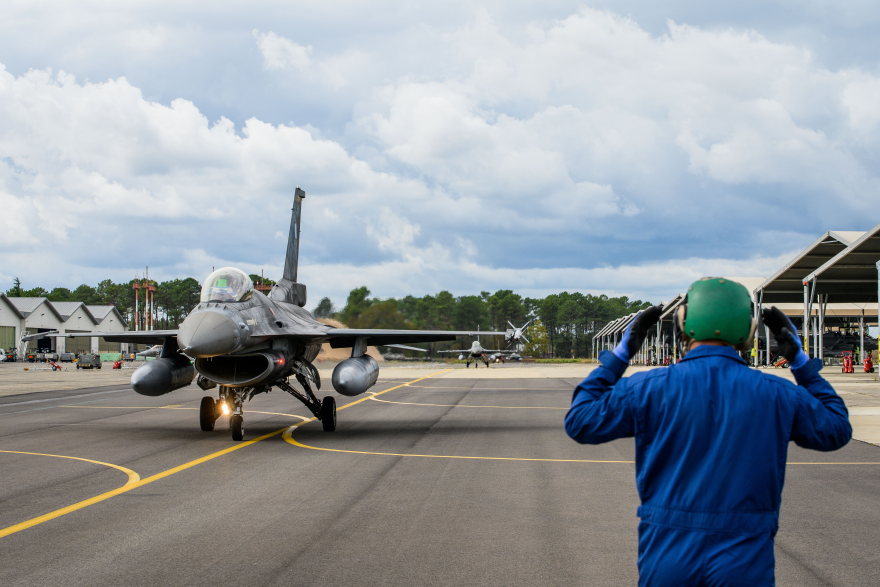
x=832, y=283
x=20, y=316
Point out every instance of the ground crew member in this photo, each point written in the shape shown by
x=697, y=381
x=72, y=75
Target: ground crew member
x=754, y=356
x=711, y=437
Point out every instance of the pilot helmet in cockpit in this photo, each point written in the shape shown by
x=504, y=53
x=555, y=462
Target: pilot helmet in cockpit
x=227, y=284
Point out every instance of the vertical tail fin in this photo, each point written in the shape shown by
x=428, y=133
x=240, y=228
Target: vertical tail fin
x=291, y=262
x=287, y=289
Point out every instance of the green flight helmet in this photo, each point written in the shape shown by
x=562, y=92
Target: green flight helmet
x=719, y=309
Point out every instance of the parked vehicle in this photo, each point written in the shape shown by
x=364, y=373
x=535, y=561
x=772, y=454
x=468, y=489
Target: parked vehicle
x=67, y=357
x=88, y=361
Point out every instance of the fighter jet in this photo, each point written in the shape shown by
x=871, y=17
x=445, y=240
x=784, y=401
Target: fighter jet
x=248, y=343
x=478, y=353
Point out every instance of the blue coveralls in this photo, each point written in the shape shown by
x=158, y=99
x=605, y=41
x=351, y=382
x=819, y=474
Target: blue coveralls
x=711, y=439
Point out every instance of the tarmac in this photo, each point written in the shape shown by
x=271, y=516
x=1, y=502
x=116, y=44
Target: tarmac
x=437, y=477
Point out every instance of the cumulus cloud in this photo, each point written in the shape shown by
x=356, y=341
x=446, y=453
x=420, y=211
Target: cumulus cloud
x=281, y=53
x=576, y=151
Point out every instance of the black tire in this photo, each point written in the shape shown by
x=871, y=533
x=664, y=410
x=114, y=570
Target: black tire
x=99, y=366
x=328, y=414
x=236, y=425
x=207, y=413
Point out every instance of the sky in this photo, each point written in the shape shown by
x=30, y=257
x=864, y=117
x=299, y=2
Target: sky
x=617, y=147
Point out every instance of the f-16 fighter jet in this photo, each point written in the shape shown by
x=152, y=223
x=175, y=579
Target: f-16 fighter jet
x=247, y=343
x=478, y=353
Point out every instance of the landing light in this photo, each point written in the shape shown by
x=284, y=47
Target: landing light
x=225, y=409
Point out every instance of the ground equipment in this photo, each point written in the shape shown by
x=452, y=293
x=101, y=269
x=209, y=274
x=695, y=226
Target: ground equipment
x=782, y=362
x=847, y=362
x=869, y=363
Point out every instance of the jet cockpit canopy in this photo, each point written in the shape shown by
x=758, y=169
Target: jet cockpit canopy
x=227, y=284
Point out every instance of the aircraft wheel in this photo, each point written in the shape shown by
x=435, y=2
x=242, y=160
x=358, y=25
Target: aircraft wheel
x=207, y=411
x=236, y=424
x=328, y=414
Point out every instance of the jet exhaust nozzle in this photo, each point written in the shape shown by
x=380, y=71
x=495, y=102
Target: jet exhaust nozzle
x=162, y=376
x=356, y=375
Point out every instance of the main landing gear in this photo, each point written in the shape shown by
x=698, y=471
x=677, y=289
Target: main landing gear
x=306, y=375
x=477, y=362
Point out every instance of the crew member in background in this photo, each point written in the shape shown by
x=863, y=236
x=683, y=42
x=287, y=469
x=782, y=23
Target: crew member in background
x=711, y=437
x=754, y=352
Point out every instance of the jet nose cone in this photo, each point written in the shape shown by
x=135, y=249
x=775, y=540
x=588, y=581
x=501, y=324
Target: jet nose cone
x=207, y=334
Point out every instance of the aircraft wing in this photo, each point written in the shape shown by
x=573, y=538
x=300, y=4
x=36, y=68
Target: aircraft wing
x=135, y=336
x=345, y=337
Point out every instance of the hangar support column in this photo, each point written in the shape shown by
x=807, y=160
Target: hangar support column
x=806, y=327
x=862, y=336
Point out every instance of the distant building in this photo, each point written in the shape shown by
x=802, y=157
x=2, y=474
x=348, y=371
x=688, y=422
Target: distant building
x=19, y=316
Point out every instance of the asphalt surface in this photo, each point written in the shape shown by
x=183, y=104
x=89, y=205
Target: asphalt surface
x=528, y=511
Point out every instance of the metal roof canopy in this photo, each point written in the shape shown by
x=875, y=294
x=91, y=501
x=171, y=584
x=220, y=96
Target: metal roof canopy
x=851, y=275
x=787, y=284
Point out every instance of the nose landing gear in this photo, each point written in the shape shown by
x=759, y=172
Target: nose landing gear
x=236, y=426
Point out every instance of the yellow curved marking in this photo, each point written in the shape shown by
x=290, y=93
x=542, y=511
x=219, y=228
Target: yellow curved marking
x=132, y=476
x=140, y=483
x=468, y=406
x=134, y=480
x=487, y=388
x=288, y=436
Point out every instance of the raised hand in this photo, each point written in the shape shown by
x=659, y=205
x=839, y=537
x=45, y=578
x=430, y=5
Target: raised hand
x=635, y=333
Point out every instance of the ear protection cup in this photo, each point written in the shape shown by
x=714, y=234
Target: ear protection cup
x=744, y=346
x=679, y=318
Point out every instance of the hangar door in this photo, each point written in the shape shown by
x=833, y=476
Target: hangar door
x=7, y=337
x=79, y=344
x=108, y=347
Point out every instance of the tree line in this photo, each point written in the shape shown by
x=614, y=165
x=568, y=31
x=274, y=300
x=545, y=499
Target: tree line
x=172, y=300
x=563, y=324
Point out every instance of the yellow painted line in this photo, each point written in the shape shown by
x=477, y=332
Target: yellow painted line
x=129, y=486
x=468, y=406
x=288, y=436
x=132, y=476
x=141, y=482
x=133, y=481
x=568, y=389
